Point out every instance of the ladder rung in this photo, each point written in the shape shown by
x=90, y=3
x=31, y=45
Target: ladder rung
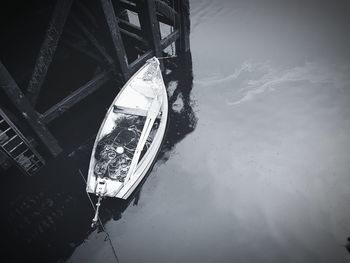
x=30, y=167
x=21, y=154
x=9, y=140
x=16, y=147
x=9, y=128
x=1, y=121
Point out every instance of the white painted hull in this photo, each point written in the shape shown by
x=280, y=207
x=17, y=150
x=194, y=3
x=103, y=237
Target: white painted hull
x=140, y=95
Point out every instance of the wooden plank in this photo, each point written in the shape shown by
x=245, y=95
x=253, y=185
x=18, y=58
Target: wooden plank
x=124, y=4
x=129, y=27
x=133, y=33
x=14, y=93
x=167, y=11
x=134, y=36
x=165, y=20
x=118, y=45
x=48, y=48
x=130, y=111
x=76, y=96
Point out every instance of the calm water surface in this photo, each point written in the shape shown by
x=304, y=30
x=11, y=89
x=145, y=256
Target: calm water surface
x=258, y=168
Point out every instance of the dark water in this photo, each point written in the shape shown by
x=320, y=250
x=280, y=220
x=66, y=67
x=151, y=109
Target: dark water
x=256, y=163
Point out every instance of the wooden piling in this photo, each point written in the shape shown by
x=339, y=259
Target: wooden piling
x=150, y=25
x=15, y=94
x=118, y=45
x=183, y=8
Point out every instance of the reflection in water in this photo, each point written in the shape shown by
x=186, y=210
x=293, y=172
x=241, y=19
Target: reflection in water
x=51, y=213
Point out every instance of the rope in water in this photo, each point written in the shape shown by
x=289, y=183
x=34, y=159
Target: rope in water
x=103, y=229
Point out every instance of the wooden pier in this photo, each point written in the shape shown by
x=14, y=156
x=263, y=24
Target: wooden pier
x=115, y=61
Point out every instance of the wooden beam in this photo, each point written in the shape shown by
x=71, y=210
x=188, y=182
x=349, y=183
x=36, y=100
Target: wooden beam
x=170, y=39
x=15, y=94
x=76, y=96
x=129, y=27
x=118, y=45
x=48, y=48
x=109, y=60
x=183, y=7
x=81, y=48
x=150, y=25
x=124, y=4
x=135, y=65
x=134, y=36
x=165, y=20
x=150, y=21
x=167, y=11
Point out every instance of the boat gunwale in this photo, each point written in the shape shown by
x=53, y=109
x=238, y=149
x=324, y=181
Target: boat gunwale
x=131, y=188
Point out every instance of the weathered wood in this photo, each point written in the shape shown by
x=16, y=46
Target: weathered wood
x=183, y=7
x=129, y=27
x=76, y=96
x=124, y=4
x=150, y=25
x=17, y=97
x=133, y=33
x=134, y=36
x=118, y=45
x=170, y=39
x=165, y=20
x=135, y=65
x=48, y=48
x=109, y=60
x=20, y=141
x=167, y=11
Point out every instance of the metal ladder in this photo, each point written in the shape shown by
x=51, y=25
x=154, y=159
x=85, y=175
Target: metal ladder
x=17, y=148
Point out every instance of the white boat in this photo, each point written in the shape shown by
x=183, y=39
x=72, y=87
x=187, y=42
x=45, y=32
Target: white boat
x=130, y=136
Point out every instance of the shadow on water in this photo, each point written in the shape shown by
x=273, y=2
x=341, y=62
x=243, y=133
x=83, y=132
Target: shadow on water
x=49, y=215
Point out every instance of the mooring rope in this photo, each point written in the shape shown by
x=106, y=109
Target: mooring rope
x=103, y=229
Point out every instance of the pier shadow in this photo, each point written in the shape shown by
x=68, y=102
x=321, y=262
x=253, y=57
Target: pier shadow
x=48, y=215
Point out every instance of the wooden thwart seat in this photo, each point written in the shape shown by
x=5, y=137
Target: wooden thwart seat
x=131, y=111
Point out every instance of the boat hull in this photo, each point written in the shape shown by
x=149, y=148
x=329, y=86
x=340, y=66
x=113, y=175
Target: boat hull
x=115, y=168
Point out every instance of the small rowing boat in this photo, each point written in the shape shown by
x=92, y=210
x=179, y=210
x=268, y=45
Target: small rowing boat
x=130, y=136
